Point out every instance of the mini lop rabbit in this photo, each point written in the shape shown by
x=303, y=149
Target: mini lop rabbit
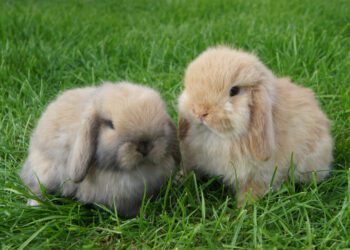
x=238, y=121
x=105, y=144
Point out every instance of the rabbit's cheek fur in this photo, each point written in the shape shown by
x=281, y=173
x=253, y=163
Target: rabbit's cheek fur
x=106, y=152
x=239, y=116
x=232, y=120
x=106, y=157
x=158, y=151
x=128, y=157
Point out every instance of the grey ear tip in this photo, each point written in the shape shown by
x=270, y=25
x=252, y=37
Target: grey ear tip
x=76, y=177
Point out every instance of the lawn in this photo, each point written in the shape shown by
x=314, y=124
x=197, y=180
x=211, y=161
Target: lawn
x=49, y=46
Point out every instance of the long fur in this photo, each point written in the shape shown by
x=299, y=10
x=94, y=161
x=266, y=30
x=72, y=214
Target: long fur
x=243, y=138
x=86, y=146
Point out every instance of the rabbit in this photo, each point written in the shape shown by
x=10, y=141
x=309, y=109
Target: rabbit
x=240, y=122
x=108, y=144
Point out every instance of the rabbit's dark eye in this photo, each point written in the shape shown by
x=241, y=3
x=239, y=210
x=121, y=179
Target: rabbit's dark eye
x=108, y=123
x=234, y=91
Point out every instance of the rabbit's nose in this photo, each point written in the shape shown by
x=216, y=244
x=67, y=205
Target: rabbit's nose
x=202, y=116
x=201, y=112
x=144, y=147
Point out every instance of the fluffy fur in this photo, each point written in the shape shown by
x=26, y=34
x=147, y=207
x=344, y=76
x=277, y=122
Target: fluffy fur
x=105, y=144
x=244, y=137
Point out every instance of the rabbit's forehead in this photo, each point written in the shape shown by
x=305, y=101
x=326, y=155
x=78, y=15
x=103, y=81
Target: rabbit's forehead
x=140, y=119
x=207, y=91
x=116, y=105
x=219, y=78
x=137, y=132
x=140, y=111
x=220, y=69
x=206, y=99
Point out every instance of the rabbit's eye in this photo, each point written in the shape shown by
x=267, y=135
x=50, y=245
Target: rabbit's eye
x=108, y=123
x=234, y=91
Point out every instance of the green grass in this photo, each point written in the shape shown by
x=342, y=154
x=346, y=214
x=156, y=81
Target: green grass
x=47, y=47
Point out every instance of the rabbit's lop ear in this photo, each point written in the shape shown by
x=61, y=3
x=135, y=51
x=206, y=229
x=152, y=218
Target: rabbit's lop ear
x=84, y=146
x=261, y=138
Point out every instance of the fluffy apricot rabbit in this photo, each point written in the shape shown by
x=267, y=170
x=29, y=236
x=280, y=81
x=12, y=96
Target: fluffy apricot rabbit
x=105, y=144
x=238, y=121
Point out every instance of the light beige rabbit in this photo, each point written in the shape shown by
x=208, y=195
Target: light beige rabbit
x=105, y=144
x=238, y=121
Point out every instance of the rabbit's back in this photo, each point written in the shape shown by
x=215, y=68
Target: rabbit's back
x=302, y=129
